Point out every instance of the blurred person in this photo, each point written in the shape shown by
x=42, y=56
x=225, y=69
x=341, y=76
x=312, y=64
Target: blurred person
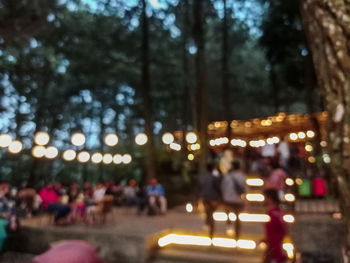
x=233, y=186
x=99, y=192
x=275, y=229
x=156, y=197
x=277, y=177
x=50, y=203
x=284, y=154
x=210, y=193
x=130, y=193
x=72, y=251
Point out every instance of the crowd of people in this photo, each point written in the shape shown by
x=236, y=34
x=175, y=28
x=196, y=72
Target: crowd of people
x=76, y=203
x=224, y=186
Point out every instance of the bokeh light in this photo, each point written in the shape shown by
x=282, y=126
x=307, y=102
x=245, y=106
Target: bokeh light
x=15, y=147
x=69, y=155
x=111, y=139
x=141, y=139
x=41, y=138
x=78, y=139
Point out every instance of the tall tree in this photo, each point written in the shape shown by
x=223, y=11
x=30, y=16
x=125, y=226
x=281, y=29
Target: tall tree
x=327, y=26
x=146, y=94
x=225, y=70
x=201, y=84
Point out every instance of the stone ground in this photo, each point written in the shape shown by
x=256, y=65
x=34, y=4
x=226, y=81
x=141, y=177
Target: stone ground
x=308, y=232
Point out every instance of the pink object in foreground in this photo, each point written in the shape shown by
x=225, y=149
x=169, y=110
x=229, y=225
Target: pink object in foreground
x=74, y=251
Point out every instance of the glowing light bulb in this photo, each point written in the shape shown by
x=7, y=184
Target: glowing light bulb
x=41, y=138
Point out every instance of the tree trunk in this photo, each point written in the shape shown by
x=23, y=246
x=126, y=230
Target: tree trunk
x=275, y=88
x=185, y=67
x=100, y=176
x=327, y=26
x=146, y=97
x=309, y=84
x=225, y=72
x=202, y=90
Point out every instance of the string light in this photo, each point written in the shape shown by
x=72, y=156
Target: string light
x=191, y=137
x=78, y=139
x=107, y=158
x=15, y=147
x=167, y=138
x=69, y=155
x=111, y=139
x=127, y=158
x=5, y=140
x=96, y=158
x=38, y=151
x=51, y=152
x=117, y=159
x=41, y=138
x=141, y=139
x=83, y=157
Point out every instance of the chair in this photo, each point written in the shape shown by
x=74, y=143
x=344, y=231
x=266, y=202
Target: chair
x=99, y=212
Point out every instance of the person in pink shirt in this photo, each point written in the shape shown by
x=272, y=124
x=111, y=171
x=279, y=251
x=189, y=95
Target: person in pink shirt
x=275, y=230
x=277, y=177
x=50, y=203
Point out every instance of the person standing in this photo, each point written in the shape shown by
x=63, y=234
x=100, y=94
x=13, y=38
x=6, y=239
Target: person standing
x=210, y=194
x=277, y=177
x=275, y=230
x=233, y=186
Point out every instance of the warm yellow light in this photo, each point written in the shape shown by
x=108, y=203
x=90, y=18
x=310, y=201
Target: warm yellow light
x=289, y=197
x=245, y=217
x=189, y=208
x=41, y=138
x=175, y=146
x=238, y=142
x=15, y=147
x=83, y=157
x=289, y=248
x=167, y=138
x=198, y=146
x=5, y=140
x=308, y=148
x=232, y=216
x=107, y=158
x=184, y=240
x=224, y=242
x=69, y=155
x=141, y=139
x=310, y=134
x=190, y=157
x=299, y=181
x=117, y=159
x=212, y=143
x=111, y=139
x=255, y=197
x=78, y=139
x=38, y=151
x=127, y=158
x=289, y=181
x=289, y=218
x=301, y=135
x=311, y=159
x=51, y=152
x=323, y=143
x=255, y=182
x=220, y=216
x=246, y=244
x=293, y=136
x=97, y=158
x=191, y=137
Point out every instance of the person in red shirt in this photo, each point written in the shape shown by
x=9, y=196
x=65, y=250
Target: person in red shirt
x=275, y=230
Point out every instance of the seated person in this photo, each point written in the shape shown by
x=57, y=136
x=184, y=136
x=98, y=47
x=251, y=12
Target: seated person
x=156, y=197
x=50, y=203
x=130, y=193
